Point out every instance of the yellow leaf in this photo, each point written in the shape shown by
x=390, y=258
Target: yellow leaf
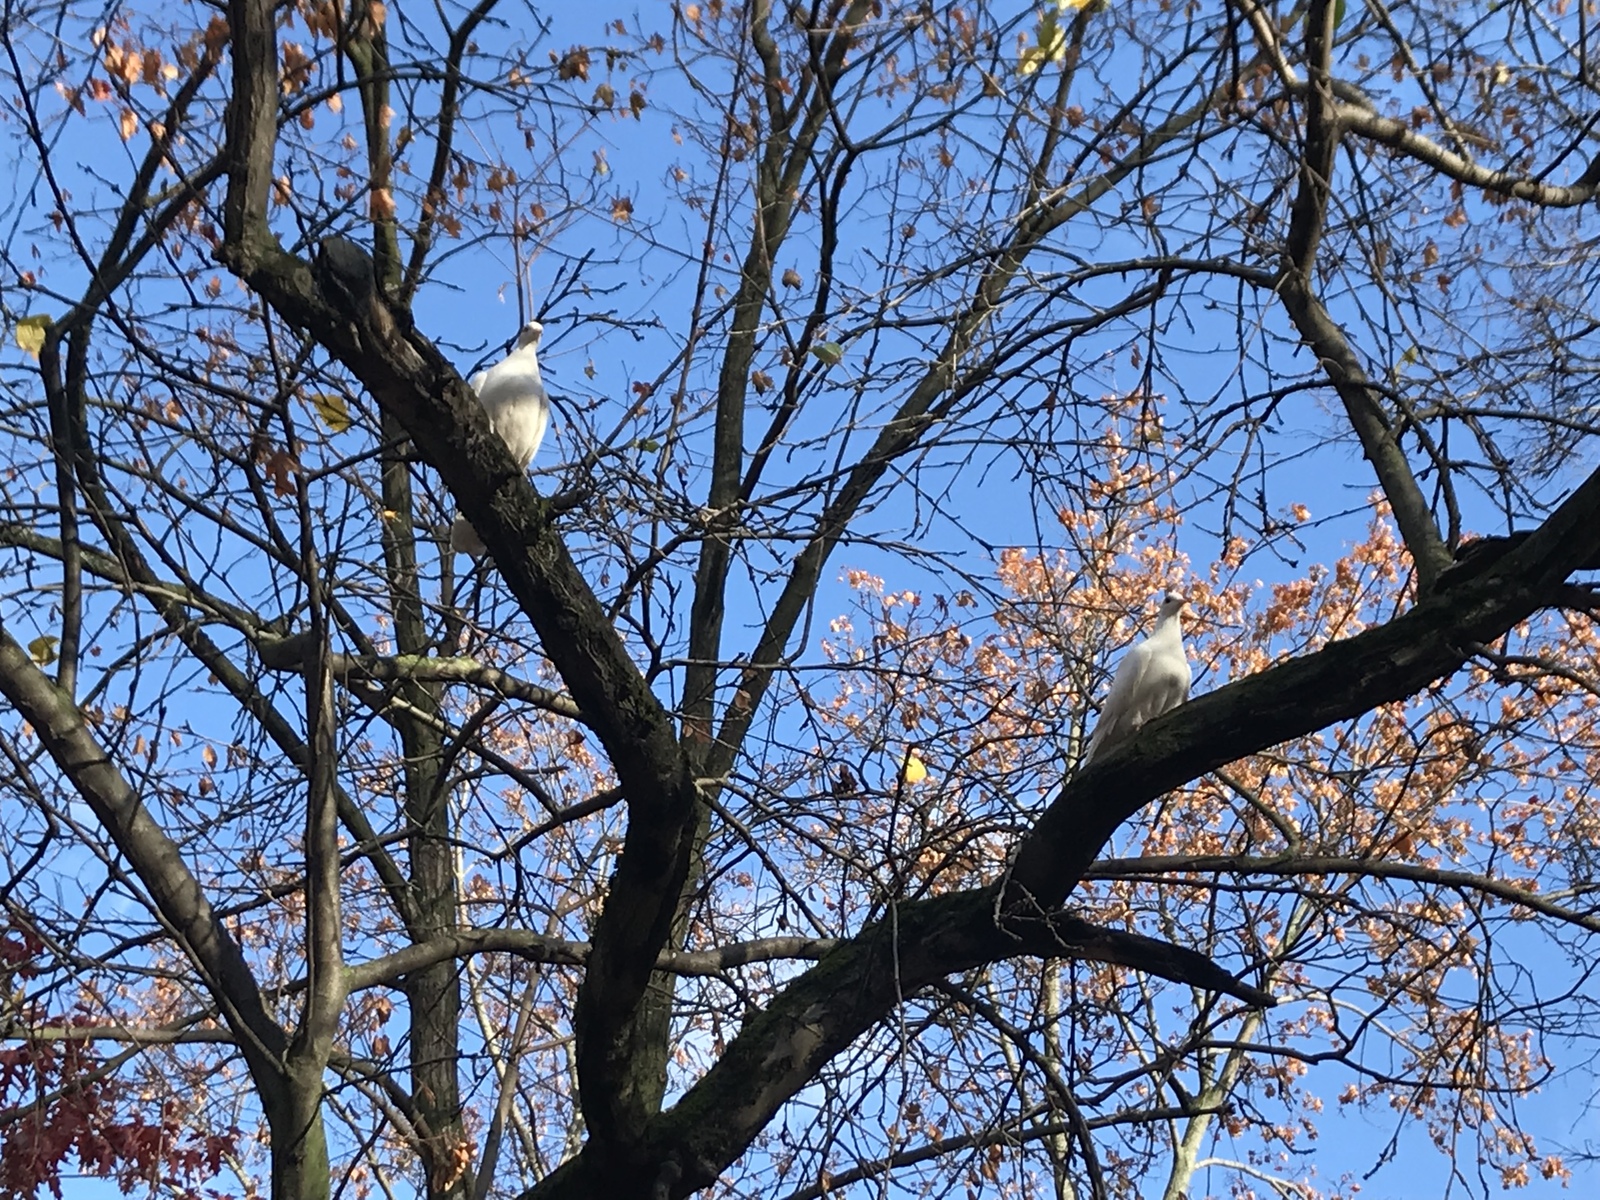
x=331, y=408
x=913, y=770
x=30, y=333
x=1052, y=46
x=43, y=649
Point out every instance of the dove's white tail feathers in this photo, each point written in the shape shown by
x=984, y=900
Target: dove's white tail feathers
x=464, y=538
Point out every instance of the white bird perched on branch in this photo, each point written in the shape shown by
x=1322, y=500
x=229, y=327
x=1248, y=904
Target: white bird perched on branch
x=1151, y=678
x=512, y=393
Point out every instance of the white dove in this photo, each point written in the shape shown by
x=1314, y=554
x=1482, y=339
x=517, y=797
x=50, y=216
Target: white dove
x=512, y=393
x=1151, y=678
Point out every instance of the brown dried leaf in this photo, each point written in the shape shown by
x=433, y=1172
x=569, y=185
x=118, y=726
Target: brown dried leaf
x=574, y=64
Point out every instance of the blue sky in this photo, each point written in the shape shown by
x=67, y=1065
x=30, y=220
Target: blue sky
x=462, y=308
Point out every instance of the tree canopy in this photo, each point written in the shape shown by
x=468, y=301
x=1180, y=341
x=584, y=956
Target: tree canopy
x=724, y=825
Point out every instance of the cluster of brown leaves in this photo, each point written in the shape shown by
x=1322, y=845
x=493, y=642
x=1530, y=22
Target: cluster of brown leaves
x=72, y=1106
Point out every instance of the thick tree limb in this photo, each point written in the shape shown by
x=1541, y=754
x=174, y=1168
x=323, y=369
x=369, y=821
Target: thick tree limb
x=1475, y=558
x=154, y=857
x=1309, y=213
x=287, y=1073
x=1073, y=937
x=252, y=120
x=1371, y=424
x=419, y=389
x=174, y=603
x=780, y=1049
x=289, y=654
x=1396, y=134
x=422, y=391
x=1058, y=936
x=1317, y=328
x=540, y=948
x=325, y=992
